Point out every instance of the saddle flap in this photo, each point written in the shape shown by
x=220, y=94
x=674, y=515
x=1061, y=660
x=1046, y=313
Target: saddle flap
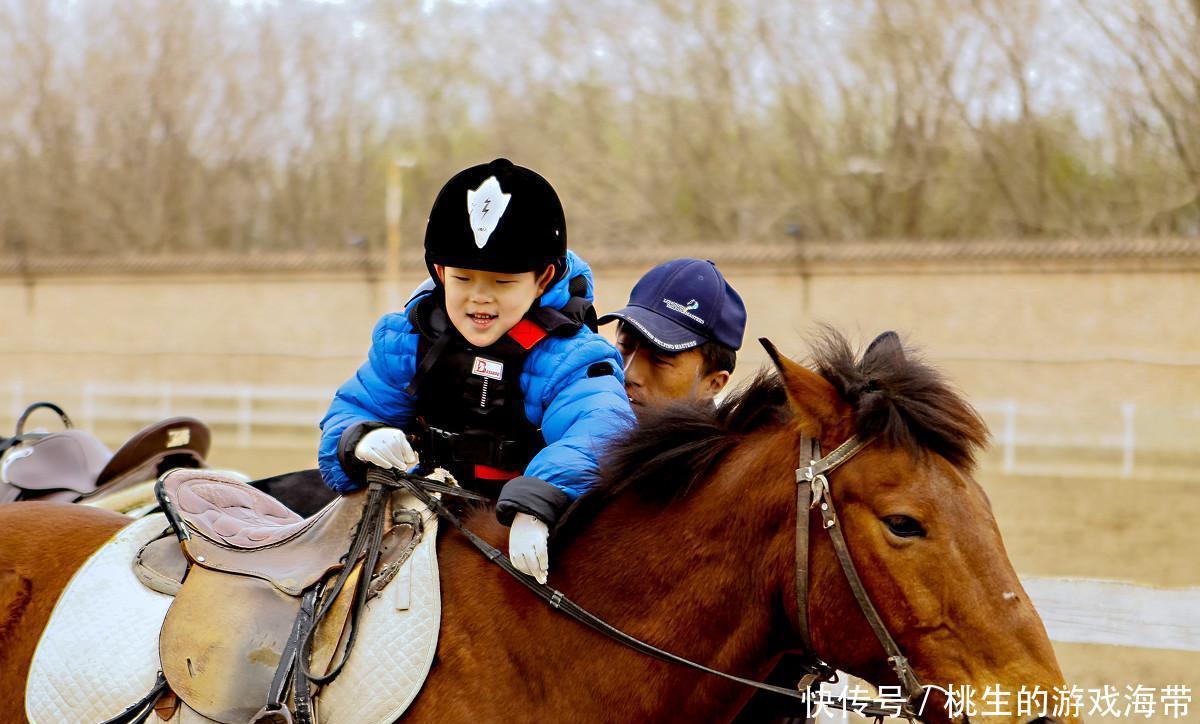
x=222, y=640
x=68, y=460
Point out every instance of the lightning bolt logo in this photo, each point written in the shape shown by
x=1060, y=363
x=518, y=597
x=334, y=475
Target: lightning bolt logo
x=480, y=203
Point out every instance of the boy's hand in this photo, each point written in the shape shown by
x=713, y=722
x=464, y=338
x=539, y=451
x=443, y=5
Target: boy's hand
x=527, y=546
x=387, y=448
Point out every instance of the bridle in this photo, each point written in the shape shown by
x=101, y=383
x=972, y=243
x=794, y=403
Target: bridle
x=812, y=490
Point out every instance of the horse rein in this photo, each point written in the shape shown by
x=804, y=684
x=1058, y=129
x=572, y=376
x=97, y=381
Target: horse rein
x=812, y=491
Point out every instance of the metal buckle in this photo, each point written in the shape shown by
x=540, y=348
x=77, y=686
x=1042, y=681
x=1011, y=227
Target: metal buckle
x=820, y=488
x=819, y=673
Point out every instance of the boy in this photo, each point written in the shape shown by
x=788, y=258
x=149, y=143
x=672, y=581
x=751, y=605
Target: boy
x=679, y=333
x=494, y=368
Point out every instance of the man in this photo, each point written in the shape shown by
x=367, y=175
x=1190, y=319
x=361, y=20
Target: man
x=678, y=337
x=679, y=333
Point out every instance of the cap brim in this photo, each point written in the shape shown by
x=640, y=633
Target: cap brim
x=666, y=334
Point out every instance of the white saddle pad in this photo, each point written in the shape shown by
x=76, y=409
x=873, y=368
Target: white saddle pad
x=99, y=654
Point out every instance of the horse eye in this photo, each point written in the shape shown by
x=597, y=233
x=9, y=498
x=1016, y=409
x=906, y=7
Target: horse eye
x=904, y=526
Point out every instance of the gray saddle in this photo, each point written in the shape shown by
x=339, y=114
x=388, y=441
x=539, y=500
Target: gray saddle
x=73, y=465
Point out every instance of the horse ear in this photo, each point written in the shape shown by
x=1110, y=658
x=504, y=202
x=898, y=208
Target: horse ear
x=810, y=395
x=886, y=349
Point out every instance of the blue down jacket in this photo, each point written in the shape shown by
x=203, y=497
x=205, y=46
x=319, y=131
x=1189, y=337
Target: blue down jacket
x=577, y=411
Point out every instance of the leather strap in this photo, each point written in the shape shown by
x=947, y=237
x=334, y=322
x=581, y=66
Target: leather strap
x=275, y=711
x=140, y=711
x=814, y=474
x=904, y=673
x=20, y=428
x=427, y=362
x=301, y=691
x=808, y=451
x=367, y=541
x=315, y=604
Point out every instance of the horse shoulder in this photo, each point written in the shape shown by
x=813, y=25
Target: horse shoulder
x=41, y=547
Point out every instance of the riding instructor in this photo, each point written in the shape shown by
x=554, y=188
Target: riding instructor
x=679, y=333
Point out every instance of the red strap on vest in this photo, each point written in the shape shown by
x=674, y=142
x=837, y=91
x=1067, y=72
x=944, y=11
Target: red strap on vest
x=527, y=333
x=486, y=472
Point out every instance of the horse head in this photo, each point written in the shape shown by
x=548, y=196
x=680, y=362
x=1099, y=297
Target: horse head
x=918, y=528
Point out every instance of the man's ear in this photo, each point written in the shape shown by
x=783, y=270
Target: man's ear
x=440, y=270
x=714, y=382
x=543, y=281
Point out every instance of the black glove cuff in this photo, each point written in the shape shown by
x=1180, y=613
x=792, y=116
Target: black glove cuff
x=354, y=468
x=532, y=496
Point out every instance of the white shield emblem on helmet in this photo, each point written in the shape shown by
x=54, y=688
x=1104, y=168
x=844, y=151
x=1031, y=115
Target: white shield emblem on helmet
x=485, y=206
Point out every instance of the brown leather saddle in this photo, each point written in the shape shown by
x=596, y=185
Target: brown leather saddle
x=269, y=597
x=73, y=465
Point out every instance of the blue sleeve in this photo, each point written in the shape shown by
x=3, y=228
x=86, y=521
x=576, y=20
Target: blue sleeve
x=374, y=394
x=584, y=406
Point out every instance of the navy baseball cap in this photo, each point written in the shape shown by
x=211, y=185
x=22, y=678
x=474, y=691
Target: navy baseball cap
x=682, y=304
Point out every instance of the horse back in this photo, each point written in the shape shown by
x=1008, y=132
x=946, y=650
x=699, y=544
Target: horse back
x=41, y=547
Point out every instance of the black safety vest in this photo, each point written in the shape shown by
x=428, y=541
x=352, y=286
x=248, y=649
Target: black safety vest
x=470, y=409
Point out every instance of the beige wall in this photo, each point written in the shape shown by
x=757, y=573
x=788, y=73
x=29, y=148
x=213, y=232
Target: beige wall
x=1072, y=337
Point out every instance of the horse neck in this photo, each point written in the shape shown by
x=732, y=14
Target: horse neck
x=702, y=577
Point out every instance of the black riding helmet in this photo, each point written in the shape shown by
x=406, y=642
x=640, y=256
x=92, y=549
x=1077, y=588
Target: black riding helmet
x=496, y=217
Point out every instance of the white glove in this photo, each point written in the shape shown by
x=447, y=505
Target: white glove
x=527, y=546
x=388, y=448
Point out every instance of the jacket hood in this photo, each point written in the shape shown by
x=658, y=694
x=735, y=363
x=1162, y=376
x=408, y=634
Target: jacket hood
x=559, y=293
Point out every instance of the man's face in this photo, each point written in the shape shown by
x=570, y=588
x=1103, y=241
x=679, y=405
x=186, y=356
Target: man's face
x=653, y=376
x=483, y=305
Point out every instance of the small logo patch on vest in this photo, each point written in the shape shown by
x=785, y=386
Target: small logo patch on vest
x=488, y=368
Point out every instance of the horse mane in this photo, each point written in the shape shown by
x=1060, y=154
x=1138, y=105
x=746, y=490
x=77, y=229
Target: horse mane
x=894, y=396
x=899, y=398
x=676, y=445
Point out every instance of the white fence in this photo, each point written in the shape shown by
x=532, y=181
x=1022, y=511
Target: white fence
x=249, y=410
x=1090, y=611
x=1117, y=613
x=1119, y=439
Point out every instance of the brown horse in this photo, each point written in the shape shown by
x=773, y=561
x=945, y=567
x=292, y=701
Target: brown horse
x=688, y=542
